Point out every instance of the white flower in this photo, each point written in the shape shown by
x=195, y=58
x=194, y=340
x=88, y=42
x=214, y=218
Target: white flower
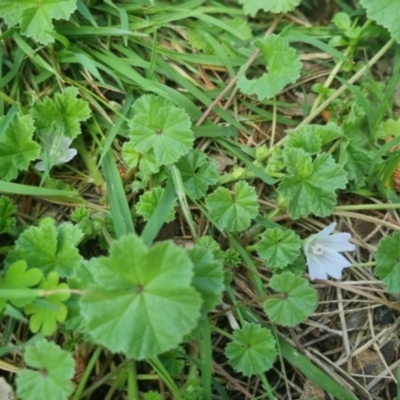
x=55, y=151
x=322, y=253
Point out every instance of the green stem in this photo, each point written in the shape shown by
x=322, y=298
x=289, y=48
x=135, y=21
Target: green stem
x=90, y=161
x=206, y=358
x=267, y=387
x=373, y=206
x=366, y=264
x=86, y=374
x=133, y=390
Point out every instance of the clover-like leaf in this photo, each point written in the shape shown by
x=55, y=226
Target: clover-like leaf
x=148, y=202
x=17, y=278
x=233, y=212
x=7, y=210
x=198, y=173
x=44, y=314
x=35, y=17
x=310, y=186
x=62, y=114
x=208, y=277
x=278, y=247
x=17, y=149
x=283, y=65
x=299, y=300
x=275, y=6
x=252, y=350
x=50, y=374
x=385, y=13
x=48, y=248
x=388, y=262
x=160, y=127
x=142, y=302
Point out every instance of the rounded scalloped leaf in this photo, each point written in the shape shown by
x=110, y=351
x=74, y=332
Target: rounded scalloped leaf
x=252, y=350
x=388, y=262
x=35, y=17
x=17, y=149
x=283, y=65
x=49, y=248
x=161, y=127
x=148, y=202
x=208, y=276
x=51, y=373
x=276, y=6
x=278, y=247
x=386, y=13
x=310, y=184
x=299, y=300
x=142, y=302
x=198, y=173
x=233, y=212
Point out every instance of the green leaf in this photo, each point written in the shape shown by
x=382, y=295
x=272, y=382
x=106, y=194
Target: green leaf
x=17, y=149
x=298, y=301
x=209, y=243
x=79, y=281
x=388, y=262
x=160, y=127
x=303, y=138
x=48, y=248
x=252, y=350
x=45, y=315
x=50, y=375
x=357, y=163
x=35, y=17
x=310, y=138
x=18, y=277
x=173, y=361
x=7, y=210
x=310, y=186
x=385, y=13
x=276, y=6
x=198, y=173
x=278, y=247
x=208, y=277
x=233, y=212
x=151, y=304
x=149, y=201
x=283, y=66
x=62, y=114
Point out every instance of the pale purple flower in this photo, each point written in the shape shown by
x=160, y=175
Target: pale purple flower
x=55, y=151
x=322, y=253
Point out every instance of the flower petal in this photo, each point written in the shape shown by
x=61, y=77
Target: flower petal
x=69, y=155
x=334, y=263
x=338, y=242
x=316, y=268
x=326, y=231
x=40, y=166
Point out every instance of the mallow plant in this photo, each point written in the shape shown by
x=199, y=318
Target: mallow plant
x=144, y=298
